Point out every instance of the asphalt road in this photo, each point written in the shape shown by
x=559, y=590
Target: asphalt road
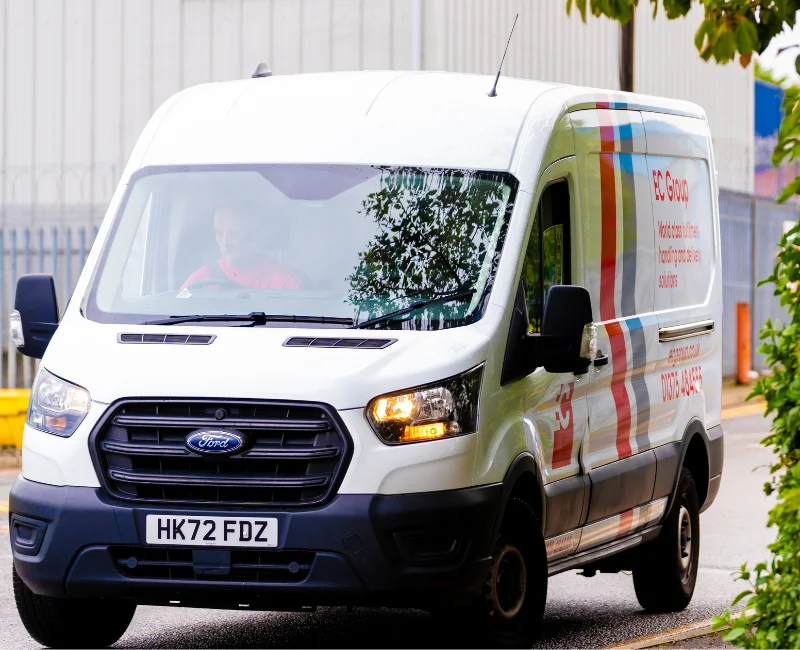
x=581, y=612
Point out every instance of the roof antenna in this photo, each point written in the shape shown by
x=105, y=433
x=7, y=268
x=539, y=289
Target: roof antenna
x=493, y=91
x=262, y=70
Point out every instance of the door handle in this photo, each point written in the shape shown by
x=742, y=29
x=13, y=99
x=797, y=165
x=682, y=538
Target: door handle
x=600, y=359
x=677, y=332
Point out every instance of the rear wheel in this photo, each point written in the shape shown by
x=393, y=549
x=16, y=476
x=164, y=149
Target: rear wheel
x=71, y=623
x=666, y=570
x=509, y=614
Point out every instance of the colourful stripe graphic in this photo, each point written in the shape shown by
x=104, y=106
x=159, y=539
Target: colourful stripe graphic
x=603, y=102
x=621, y=525
x=608, y=207
x=619, y=360
x=629, y=232
x=639, y=383
x=616, y=156
x=625, y=523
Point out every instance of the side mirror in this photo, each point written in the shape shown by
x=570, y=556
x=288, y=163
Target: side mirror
x=569, y=340
x=35, y=316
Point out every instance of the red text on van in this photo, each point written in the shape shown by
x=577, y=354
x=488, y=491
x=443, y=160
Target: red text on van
x=564, y=431
x=670, y=188
x=677, y=383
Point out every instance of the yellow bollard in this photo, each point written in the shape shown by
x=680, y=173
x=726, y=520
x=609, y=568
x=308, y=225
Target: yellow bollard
x=13, y=409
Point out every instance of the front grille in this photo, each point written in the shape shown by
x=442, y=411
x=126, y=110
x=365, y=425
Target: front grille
x=147, y=562
x=296, y=455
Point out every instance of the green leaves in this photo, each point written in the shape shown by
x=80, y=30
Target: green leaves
x=674, y=8
x=788, y=145
x=734, y=634
x=746, y=40
x=621, y=10
x=724, y=39
x=741, y=595
x=729, y=27
x=771, y=619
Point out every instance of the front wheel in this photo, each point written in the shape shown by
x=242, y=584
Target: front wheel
x=510, y=611
x=71, y=623
x=666, y=569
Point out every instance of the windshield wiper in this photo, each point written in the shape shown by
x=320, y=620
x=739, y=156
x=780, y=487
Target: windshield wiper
x=255, y=317
x=452, y=297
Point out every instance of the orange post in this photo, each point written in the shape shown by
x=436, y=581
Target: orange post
x=743, y=361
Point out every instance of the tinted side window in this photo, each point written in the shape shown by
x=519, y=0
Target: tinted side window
x=547, y=260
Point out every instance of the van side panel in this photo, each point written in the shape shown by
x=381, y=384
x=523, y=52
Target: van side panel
x=687, y=284
x=618, y=240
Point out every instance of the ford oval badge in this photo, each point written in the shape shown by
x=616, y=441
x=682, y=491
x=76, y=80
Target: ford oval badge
x=214, y=441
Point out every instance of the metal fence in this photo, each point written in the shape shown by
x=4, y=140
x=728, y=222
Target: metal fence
x=60, y=252
x=751, y=228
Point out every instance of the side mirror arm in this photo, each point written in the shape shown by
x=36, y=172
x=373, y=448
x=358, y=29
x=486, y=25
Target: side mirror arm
x=553, y=353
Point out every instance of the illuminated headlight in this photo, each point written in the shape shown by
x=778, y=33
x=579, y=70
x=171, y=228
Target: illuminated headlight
x=57, y=406
x=442, y=410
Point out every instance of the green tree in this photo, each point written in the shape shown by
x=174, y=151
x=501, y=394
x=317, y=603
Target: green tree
x=732, y=28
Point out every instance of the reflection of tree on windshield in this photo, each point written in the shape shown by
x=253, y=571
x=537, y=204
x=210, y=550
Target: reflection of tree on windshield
x=433, y=231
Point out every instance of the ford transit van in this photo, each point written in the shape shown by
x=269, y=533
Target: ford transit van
x=378, y=339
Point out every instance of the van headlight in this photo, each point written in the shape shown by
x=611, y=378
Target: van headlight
x=441, y=410
x=57, y=406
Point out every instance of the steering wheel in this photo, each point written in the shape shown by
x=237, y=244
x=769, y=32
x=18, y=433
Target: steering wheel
x=214, y=282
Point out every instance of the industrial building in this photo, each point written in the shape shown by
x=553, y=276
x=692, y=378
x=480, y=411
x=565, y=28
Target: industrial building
x=80, y=78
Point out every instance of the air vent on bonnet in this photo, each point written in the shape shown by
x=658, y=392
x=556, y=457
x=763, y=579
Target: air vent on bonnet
x=361, y=344
x=172, y=339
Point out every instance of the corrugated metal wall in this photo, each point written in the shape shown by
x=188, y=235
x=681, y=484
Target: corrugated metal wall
x=751, y=228
x=736, y=232
x=79, y=78
x=470, y=35
x=666, y=63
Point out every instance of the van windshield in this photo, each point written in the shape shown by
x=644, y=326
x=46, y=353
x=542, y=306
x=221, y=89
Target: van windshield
x=352, y=243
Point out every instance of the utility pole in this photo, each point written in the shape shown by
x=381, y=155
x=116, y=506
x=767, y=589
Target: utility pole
x=626, y=56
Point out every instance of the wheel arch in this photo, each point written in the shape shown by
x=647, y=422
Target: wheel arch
x=695, y=457
x=523, y=481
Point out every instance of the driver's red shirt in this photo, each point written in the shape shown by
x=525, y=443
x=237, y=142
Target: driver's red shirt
x=267, y=275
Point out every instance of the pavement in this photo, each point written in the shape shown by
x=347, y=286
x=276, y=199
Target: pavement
x=581, y=612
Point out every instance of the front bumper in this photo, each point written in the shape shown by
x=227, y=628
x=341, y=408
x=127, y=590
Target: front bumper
x=401, y=550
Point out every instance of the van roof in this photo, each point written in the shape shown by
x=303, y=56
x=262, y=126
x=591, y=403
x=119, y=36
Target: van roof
x=432, y=119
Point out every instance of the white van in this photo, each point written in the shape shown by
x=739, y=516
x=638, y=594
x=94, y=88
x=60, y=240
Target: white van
x=378, y=339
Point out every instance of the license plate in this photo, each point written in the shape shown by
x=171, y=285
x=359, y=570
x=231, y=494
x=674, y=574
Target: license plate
x=212, y=531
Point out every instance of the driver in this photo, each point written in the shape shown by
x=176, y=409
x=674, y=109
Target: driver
x=242, y=260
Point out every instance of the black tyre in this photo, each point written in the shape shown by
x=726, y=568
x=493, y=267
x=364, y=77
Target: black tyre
x=65, y=623
x=666, y=569
x=510, y=611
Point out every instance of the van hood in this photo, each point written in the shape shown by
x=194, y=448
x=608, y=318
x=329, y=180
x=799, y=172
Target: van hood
x=254, y=363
